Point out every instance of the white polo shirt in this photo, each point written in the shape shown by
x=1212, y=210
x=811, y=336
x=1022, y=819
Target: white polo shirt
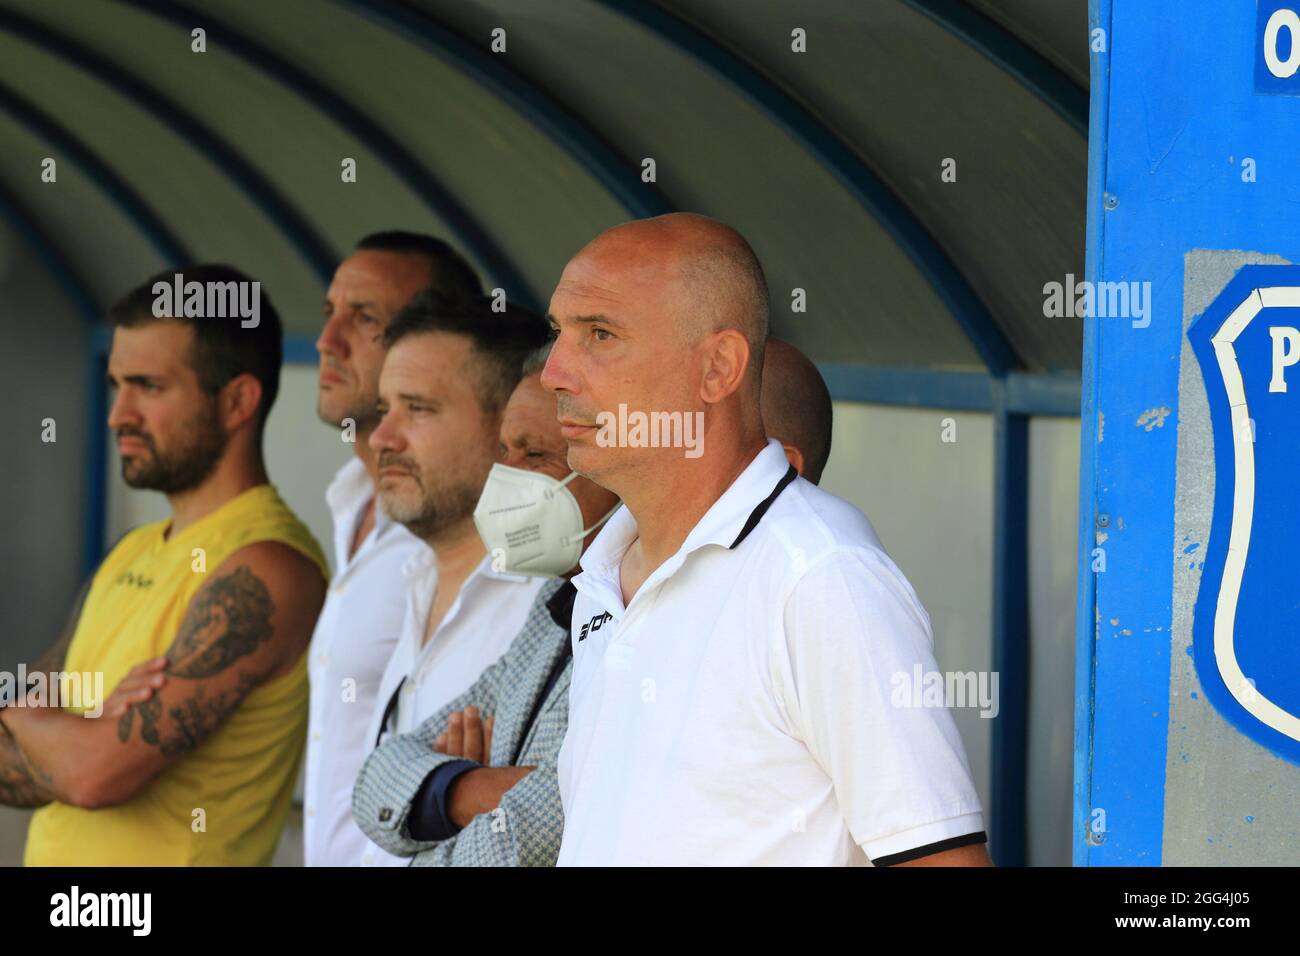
x=487, y=615
x=743, y=708
x=354, y=637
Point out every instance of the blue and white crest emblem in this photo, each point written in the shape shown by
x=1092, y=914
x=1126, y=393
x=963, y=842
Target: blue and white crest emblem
x=1246, y=628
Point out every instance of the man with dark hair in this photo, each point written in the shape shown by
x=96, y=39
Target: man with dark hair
x=198, y=768
x=457, y=792
x=501, y=342
x=223, y=349
x=363, y=610
x=448, y=271
x=451, y=366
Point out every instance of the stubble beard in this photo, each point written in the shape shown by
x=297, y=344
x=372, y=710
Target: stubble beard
x=433, y=510
x=180, y=469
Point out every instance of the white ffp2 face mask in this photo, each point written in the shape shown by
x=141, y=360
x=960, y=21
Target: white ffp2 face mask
x=531, y=523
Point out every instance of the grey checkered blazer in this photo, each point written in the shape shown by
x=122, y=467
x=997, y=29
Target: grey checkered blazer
x=525, y=829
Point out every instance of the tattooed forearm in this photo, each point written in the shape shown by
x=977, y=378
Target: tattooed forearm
x=192, y=721
x=124, y=724
x=229, y=620
x=21, y=785
x=150, y=711
x=197, y=718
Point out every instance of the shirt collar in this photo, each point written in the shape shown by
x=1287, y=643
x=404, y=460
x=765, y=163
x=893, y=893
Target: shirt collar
x=560, y=604
x=422, y=559
x=425, y=559
x=727, y=522
x=348, y=490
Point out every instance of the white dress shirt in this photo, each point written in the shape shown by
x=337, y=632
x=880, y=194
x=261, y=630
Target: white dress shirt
x=743, y=709
x=489, y=611
x=354, y=637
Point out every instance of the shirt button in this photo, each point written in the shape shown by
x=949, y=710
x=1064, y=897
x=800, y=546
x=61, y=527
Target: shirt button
x=315, y=735
x=322, y=659
x=311, y=811
x=384, y=816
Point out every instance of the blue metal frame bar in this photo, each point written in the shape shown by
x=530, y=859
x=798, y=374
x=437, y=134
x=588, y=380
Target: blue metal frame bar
x=75, y=287
x=1011, y=55
x=165, y=242
x=300, y=350
x=1085, y=625
x=1023, y=393
x=309, y=243
x=1031, y=394
x=1055, y=395
x=918, y=387
x=616, y=173
x=837, y=158
x=1010, y=732
x=473, y=237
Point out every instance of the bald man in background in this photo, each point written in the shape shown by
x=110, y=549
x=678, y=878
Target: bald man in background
x=737, y=635
x=796, y=407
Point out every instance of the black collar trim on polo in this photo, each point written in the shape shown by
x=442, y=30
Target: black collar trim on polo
x=756, y=515
x=388, y=712
x=560, y=604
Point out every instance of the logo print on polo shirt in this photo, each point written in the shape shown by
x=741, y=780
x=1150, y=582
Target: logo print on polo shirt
x=595, y=624
x=134, y=580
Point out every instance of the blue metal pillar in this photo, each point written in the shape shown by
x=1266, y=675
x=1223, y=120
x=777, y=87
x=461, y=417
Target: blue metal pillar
x=1010, y=630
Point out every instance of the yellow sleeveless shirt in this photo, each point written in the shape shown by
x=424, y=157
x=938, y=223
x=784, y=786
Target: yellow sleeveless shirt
x=242, y=777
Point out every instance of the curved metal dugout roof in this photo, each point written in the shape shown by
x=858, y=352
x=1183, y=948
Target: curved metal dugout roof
x=828, y=160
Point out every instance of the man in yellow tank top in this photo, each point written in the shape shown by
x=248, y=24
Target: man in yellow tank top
x=199, y=768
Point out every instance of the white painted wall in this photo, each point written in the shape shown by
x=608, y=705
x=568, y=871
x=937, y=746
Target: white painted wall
x=1053, y=562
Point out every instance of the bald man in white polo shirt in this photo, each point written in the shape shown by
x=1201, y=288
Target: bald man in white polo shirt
x=740, y=639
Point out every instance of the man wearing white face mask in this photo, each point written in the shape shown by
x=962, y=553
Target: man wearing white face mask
x=475, y=784
x=531, y=522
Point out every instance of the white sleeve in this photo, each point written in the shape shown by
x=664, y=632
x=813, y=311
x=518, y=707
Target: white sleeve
x=854, y=633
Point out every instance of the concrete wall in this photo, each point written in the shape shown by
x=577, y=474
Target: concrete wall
x=45, y=372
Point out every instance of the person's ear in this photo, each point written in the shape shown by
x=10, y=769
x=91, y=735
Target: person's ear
x=794, y=456
x=239, y=400
x=726, y=355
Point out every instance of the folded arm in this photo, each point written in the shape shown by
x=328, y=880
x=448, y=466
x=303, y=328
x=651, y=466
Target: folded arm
x=21, y=785
x=524, y=829
x=392, y=775
x=248, y=624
